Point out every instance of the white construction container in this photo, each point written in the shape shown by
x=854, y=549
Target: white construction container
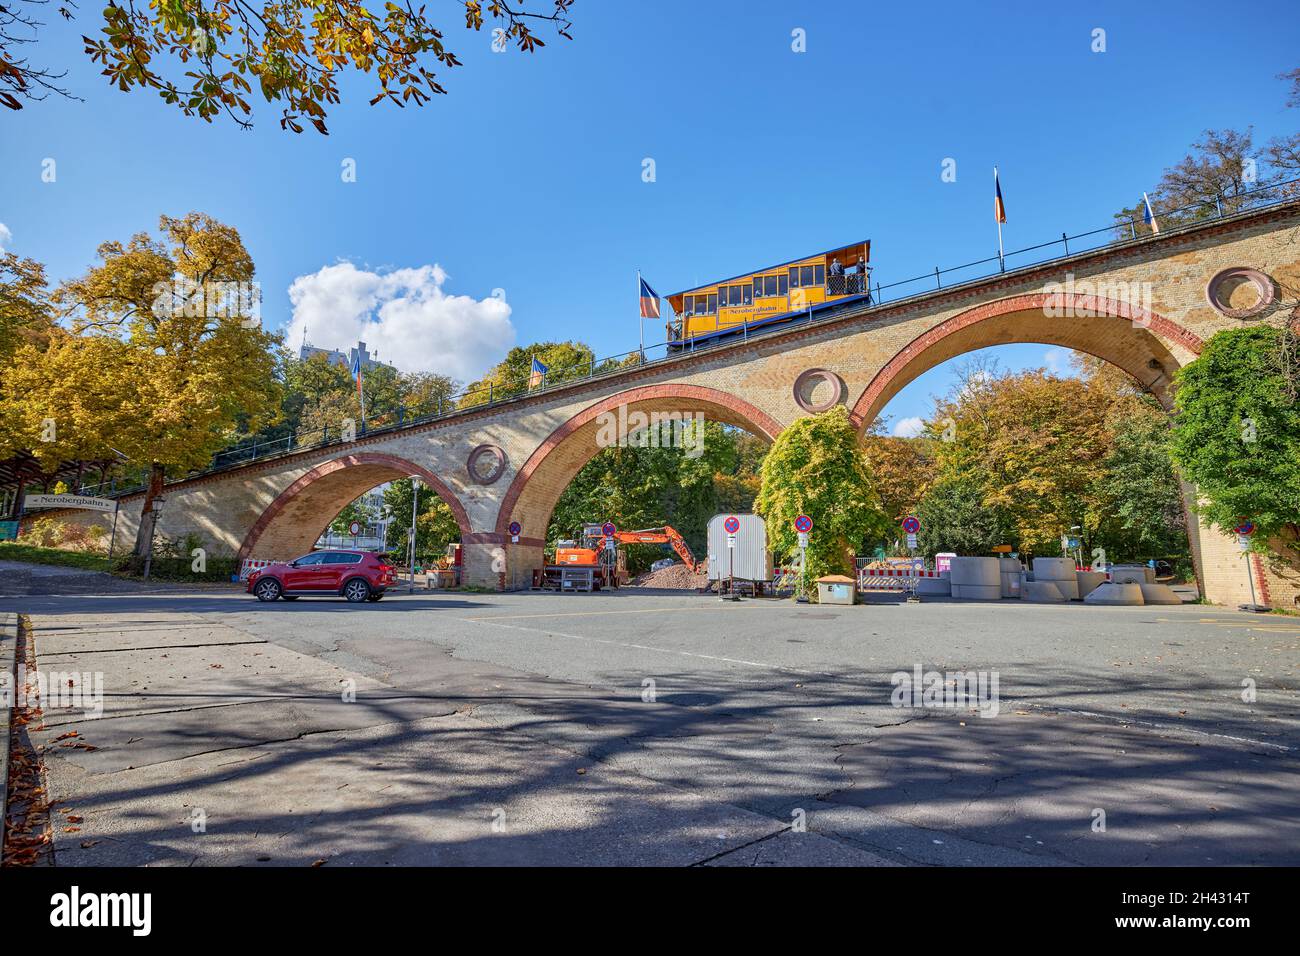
x=751, y=557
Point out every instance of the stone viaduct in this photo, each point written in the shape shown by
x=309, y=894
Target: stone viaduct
x=1145, y=305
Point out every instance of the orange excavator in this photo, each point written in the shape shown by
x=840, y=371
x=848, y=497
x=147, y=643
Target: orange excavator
x=595, y=552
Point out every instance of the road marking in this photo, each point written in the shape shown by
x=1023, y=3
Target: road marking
x=646, y=647
x=645, y=610
x=1120, y=719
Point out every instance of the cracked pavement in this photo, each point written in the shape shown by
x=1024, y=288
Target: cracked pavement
x=645, y=728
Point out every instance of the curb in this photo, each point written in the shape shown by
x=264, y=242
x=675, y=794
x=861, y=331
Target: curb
x=8, y=686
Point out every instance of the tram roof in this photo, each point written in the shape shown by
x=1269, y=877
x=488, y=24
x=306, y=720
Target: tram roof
x=866, y=243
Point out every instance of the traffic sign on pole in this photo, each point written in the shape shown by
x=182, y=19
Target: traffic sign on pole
x=803, y=524
x=515, y=529
x=732, y=524
x=608, y=529
x=1245, y=526
x=911, y=524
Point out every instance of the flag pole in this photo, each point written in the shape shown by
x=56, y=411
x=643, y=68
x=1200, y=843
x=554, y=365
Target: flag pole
x=640, y=314
x=997, y=215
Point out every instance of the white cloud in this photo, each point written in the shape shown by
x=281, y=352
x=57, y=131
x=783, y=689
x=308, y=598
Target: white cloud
x=404, y=315
x=6, y=237
x=1057, y=361
x=908, y=427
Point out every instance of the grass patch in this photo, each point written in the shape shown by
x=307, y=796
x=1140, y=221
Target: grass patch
x=13, y=551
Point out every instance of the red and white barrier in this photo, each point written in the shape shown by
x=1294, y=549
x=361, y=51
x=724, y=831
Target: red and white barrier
x=899, y=573
x=249, y=565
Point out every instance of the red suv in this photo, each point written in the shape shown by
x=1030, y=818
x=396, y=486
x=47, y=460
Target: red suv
x=357, y=575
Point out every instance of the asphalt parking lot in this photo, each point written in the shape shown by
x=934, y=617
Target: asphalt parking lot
x=665, y=728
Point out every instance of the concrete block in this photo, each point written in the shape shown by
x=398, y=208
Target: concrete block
x=1089, y=581
x=1043, y=592
x=1159, y=594
x=1114, y=593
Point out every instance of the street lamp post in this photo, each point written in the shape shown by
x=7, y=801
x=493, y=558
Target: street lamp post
x=415, y=510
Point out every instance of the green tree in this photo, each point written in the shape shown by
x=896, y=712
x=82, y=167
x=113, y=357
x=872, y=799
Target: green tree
x=564, y=361
x=435, y=527
x=955, y=518
x=816, y=467
x=1237, y=431
x=649, y=487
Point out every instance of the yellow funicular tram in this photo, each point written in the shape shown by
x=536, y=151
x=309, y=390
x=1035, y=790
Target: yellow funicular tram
x=771, y=295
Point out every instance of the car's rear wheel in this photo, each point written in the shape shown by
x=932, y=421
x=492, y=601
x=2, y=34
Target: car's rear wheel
x=267, y=590
x=356, y=590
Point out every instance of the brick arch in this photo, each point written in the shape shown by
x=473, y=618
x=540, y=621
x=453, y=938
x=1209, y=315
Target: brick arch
x=1111, y=331
x=564, y=452
x=338, y=480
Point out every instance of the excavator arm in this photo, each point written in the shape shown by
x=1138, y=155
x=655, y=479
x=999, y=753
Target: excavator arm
x=664, y=535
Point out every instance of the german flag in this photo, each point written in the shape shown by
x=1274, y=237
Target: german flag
x=999, y=210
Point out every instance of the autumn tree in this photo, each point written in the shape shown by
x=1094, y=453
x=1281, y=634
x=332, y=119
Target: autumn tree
x=904, y=469
x=170, y=351
x=211, y=59
x=26, y=313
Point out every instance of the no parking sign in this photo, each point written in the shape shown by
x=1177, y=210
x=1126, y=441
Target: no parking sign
x=515, y=528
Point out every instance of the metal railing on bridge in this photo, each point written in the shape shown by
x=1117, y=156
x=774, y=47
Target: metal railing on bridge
x=970, y=273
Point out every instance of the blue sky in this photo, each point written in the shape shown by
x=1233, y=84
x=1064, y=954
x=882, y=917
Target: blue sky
x=527, y=177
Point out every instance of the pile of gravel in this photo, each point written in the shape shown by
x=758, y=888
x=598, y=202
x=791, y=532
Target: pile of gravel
x=675, y=576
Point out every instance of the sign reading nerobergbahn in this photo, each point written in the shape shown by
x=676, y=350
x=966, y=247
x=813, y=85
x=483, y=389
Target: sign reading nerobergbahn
x=80, y=502
x=803, y=524
x=732, y=524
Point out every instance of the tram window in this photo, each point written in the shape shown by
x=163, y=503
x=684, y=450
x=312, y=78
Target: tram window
x=781, y=287
x=820, y=277
x=794, y=277
x=734, y=295
x=758, y=286
x=713, y=304
x=746, y=297
x=806, y=276
x=688, y=305
x=769, y=285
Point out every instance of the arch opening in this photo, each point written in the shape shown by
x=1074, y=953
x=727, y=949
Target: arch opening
x=296, y=520
x=1147, y=349
x=616, y=421
x=1145, y=346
